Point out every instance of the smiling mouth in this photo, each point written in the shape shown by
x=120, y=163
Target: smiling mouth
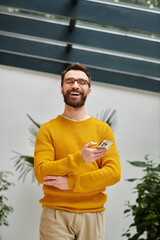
x=75, y=93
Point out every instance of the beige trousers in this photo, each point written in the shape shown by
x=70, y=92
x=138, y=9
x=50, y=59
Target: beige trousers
x=63, y=225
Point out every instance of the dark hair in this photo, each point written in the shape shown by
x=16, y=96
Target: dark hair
x=76, y=66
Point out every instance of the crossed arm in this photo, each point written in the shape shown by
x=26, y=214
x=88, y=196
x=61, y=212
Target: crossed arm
x=60, y=174
x=88, y=154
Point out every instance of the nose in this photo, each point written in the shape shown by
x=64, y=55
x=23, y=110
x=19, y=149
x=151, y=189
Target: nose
x=75, y=84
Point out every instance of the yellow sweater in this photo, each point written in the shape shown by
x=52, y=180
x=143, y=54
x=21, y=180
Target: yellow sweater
x=57, y=152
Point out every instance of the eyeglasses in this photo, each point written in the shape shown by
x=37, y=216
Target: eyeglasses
x=81, y=82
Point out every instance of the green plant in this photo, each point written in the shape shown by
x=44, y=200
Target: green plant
x=109, y=116
x=4, y=208
x=146, y=210
x=25, y=164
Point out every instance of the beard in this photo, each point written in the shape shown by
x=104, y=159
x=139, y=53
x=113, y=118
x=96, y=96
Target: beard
x=73, y=102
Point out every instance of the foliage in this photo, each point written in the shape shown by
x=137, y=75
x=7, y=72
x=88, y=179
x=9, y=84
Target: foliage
x=146, y=3
x=109, y=116
x=4, y=208
x=146, y=211
x=25, y=164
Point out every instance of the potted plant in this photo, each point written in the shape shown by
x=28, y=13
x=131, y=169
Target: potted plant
x=146, y=210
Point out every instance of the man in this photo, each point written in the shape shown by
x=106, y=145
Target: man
x=74, y=173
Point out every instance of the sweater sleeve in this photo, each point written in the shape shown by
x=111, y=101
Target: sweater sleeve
x=108, y=174
x=44, y=157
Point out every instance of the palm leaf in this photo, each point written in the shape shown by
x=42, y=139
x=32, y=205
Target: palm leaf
x=24, y=164
x=109, y=116
x=35, y=123
x=33, y=130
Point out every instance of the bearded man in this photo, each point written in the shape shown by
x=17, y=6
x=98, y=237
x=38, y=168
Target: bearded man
x=73, y=171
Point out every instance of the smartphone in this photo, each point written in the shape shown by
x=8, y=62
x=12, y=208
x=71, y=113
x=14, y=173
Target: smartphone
x=105, y=144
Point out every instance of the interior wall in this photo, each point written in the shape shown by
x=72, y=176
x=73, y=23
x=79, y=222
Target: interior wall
x=38, y=94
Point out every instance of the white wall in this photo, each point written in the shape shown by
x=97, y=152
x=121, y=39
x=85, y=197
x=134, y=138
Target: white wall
x=38, y=94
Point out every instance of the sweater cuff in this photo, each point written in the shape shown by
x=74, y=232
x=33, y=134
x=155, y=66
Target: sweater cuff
x=75, y=160
x=71, y=181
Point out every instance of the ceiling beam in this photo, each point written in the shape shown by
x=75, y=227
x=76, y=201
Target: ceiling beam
x=96, y=59
x=109, y=13
x=109, y=77
x=81, y=35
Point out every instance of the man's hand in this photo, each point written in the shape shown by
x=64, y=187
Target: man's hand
x=60, y=182
x=92, y=154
